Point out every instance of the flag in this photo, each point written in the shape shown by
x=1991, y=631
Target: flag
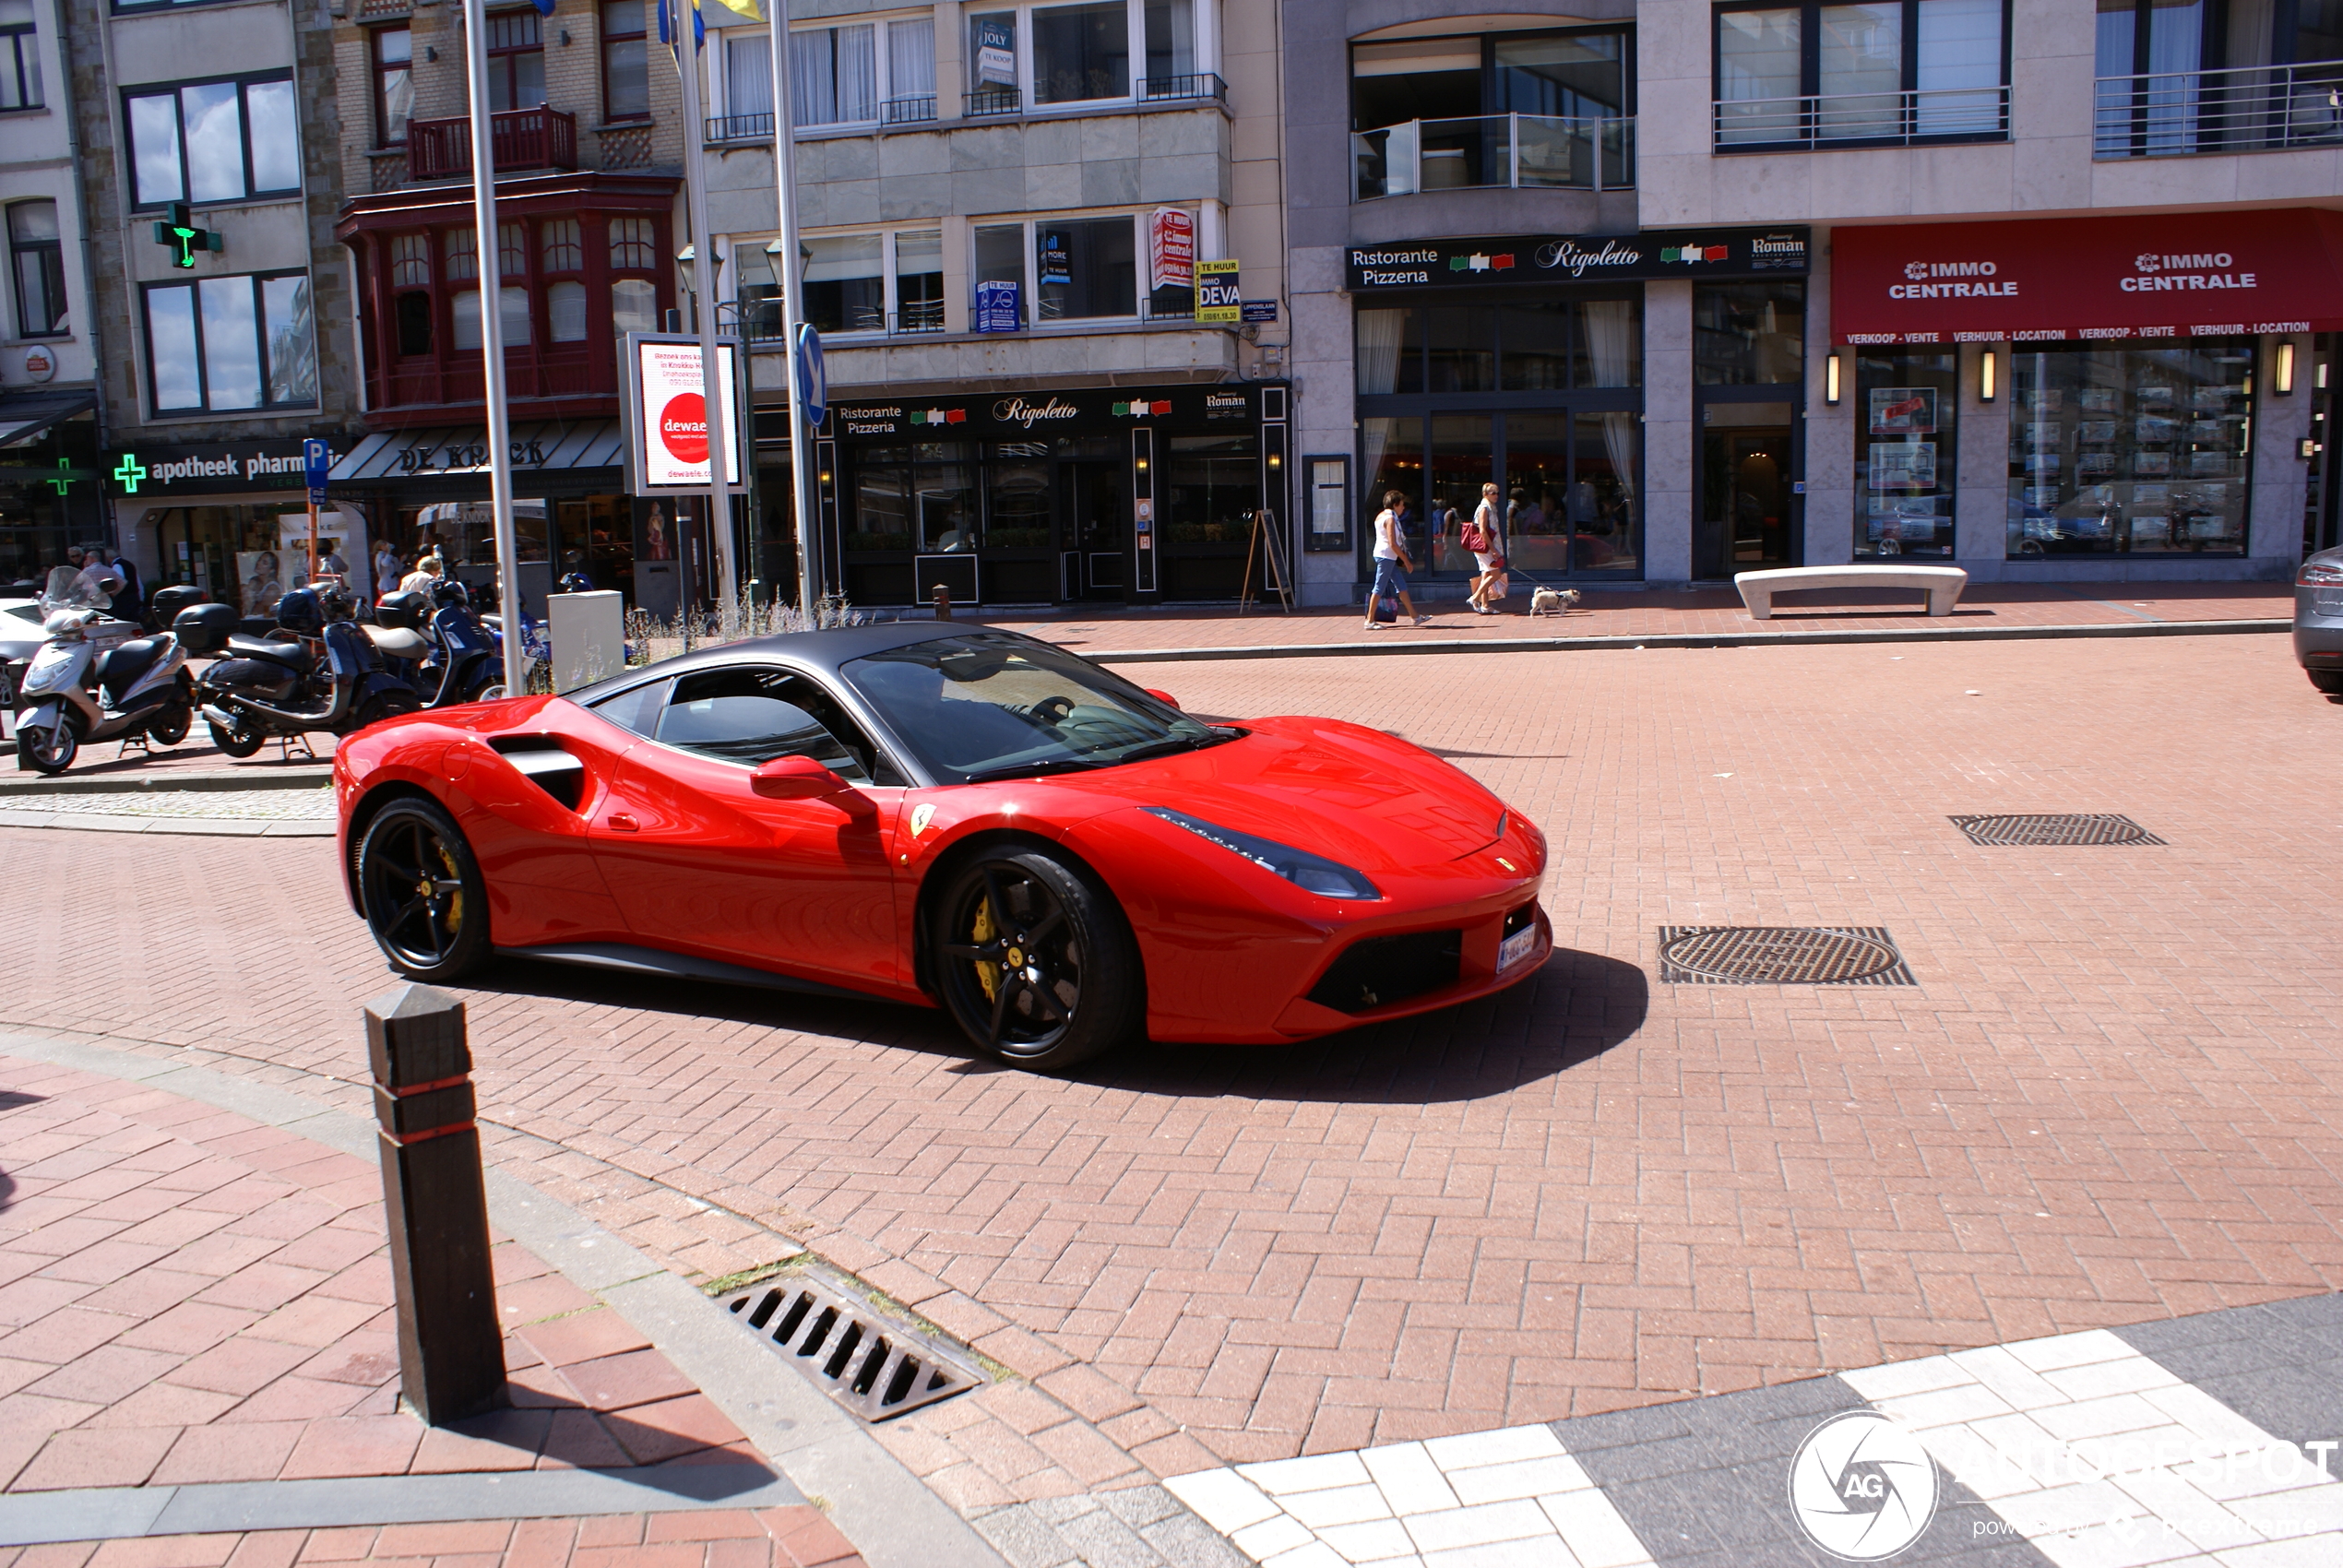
x=667, y=29
x=748, y=9
x=544, y=7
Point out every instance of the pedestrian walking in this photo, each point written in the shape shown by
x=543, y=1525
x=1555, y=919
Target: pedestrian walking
x=1392, y=562
x=1484, y=536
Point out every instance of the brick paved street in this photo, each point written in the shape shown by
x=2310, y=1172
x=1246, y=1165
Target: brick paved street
x=2110, y=1097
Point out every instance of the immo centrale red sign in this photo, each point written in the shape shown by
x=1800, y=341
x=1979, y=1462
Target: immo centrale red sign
x=2166, y=274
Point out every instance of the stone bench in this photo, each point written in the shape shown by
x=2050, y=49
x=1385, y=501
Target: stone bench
x=1941, y=583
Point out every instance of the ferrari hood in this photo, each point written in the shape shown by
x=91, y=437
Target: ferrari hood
x=1357, y=795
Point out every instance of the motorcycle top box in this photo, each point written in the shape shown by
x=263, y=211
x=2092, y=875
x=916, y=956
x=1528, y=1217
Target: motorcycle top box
x=204, y=629
x=168, y=602
x=402, y=612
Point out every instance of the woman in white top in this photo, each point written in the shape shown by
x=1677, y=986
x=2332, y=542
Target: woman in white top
x=1391, y=562
x=1486, y=540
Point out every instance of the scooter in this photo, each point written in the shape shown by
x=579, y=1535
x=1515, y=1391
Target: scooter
x=96, y=679
x=282, y=688
x=445, y=652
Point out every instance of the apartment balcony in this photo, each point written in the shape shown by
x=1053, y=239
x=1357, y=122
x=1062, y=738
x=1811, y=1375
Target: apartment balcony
x=1862, y=119
x=2250, y=109
x=1500, y=152
x=520, y=140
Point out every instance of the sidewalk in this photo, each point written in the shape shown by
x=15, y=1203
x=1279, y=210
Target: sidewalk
x=195, y=1302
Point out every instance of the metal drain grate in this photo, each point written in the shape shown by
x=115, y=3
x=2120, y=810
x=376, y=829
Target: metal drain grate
x=873, y=1366
x=1780, y=955
x=2102, y=828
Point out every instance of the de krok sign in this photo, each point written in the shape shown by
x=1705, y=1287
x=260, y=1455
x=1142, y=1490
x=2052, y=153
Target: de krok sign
x=2194, y=274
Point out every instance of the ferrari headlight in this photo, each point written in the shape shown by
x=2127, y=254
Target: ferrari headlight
x=1313, y=874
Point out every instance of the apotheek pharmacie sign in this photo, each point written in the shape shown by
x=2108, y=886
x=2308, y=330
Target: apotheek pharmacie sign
x=667, y=415
x=2188, y=274
x=1579, y=258
x=226, y=468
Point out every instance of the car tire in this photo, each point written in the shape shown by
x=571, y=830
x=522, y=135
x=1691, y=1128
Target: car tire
x=421, y=891
x=1035, y=961
x=2328, y=680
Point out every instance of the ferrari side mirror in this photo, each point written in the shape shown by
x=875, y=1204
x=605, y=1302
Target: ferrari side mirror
x=1161, y=696
x=795, y=779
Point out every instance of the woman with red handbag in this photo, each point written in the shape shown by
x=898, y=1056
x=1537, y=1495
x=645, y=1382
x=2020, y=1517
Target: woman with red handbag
x=1484, y=536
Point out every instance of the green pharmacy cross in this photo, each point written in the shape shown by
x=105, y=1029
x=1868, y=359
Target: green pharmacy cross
x=179, y=232
x=65, y=475
x=129, y=473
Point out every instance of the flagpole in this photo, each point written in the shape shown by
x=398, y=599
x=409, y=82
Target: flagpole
x=803, y=493
x=716, y=390
x=487, y=248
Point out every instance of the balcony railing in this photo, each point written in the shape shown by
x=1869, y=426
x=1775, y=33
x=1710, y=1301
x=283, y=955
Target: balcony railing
x=2250, y=109
x=759, y=320
x=1521, y=151
x=992, y=100
x=908, y=111
x=1200, y=84
x=520, y=138
x=1863, y=119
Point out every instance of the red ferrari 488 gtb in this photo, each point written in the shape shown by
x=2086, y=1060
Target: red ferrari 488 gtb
x=950, y=816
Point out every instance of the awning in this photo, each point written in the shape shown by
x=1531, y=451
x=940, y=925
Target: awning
x=2168, y=274
x=24, y=416
x=461, y=452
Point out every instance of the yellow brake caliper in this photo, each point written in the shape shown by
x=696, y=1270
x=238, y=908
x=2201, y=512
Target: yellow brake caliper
x=455, y=904
x=988, y=974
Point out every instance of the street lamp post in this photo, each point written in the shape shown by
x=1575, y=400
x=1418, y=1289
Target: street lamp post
x=793, y=280
x=490, y=252
x=716, y=391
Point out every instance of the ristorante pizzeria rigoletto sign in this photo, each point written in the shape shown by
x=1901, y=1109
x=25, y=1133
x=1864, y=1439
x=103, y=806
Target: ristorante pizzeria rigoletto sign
x=1577, y=258
x=2184, y=275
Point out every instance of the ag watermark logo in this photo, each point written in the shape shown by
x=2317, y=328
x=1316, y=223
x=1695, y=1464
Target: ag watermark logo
x=1861, y=1487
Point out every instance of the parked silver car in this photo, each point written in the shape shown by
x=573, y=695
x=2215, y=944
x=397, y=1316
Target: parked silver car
x=2318, y=620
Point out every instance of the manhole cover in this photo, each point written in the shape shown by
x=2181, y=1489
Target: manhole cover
x=875, y=1366
x=1780, y=955
x=2102, y=828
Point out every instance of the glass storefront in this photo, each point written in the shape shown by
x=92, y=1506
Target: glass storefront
x=1905, y=469
x=2129, y=448
x=49, y=498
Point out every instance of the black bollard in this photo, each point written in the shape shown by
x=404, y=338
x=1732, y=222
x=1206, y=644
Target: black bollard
x=451, y=1352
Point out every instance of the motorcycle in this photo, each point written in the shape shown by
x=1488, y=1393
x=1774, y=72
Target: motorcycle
x=97, y=679
x=325, y=675
x=445, y=652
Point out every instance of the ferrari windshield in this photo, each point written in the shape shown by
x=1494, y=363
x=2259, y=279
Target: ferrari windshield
x=995, y=704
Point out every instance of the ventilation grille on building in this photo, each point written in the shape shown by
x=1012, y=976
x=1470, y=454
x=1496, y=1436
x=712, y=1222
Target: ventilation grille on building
x=1760, y=955
x=875, y=1367
x=2069, y=829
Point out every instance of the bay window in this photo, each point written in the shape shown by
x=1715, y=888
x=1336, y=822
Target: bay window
x=213, y=141
x=1878, y=71
x=220, y=344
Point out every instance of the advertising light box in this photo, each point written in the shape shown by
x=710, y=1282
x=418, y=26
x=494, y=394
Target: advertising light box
x=667, y=416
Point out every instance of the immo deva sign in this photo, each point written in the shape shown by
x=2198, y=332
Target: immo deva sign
x=2187, y=275
x=1579, y=258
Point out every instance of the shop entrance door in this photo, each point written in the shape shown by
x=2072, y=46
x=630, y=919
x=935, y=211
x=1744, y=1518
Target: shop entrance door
x=1748, y=517
x=1095, y=527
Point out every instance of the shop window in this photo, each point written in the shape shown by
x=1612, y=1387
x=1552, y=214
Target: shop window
x=20, y=56
x=846, y=283
x=515, y=61
x=1515, y=346
x=394, y=50
x=633, y=244
x=1748, y=334
x=37, y=258
x=1085, y=267
x=1460, y=347
x=634, y=306
x=228, y=343
x=2129, y=449
x=213, y=141
x=1905, y=401
x=626, y=82
x=1893, y=70
x=1535, y=335
x=1209, y=487
x=1019, y=500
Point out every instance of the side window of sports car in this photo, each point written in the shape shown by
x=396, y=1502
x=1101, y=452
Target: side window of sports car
x=635, y=708
x=752, y=715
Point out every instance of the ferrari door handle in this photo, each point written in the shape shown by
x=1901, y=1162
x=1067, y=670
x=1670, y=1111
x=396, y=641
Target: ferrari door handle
x=621, y=822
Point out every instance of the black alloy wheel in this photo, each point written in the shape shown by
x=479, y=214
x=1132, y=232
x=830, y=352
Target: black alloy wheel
x=1035, y=962
x=421, y=891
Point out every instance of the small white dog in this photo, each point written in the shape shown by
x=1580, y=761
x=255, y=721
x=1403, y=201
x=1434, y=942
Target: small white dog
x=1553, y=601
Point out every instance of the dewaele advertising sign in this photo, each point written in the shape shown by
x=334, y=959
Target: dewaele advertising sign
x=2166, y=274
x=667, y=415
x=1579, y=258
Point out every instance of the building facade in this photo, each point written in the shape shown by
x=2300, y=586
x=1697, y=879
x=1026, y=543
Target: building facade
x=48, y=429
x=208, y=149
x=1010, y=217
x=1706, y=287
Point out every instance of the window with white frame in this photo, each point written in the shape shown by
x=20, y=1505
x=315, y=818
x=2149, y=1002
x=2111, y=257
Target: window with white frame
x=213, y=141
x=891, y=281
x=857, y=75
x=20, y=56
x=218, y=344
x=1082, y=52
x=1076, y=267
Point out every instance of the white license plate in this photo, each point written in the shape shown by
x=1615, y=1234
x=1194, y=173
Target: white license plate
x=1518, y=947
x=2327, y=600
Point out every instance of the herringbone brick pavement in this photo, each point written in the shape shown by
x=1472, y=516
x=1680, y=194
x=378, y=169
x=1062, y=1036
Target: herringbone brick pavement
x=2111, y=1096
